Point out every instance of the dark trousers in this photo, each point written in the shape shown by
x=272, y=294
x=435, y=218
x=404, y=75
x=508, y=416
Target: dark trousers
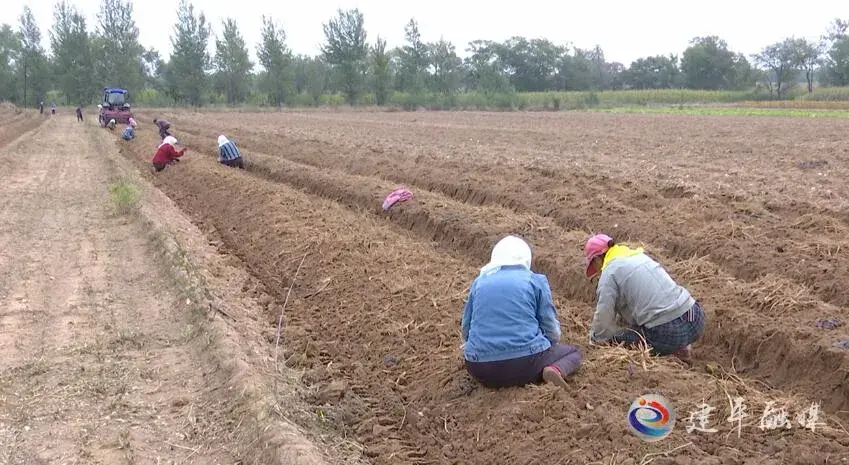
x=525, y=370
x=159, y=166
x=236, y=163
x=669, y=337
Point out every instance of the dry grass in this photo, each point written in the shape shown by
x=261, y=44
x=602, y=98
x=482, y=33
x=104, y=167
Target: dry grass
x=695, y=270
x=776, y=295
x=819, y=223
x=639, y=356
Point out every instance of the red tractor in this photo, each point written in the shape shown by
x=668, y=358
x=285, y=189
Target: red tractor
x=114, y=106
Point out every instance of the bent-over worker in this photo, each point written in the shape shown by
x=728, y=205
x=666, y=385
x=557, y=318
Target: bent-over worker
x=228, y=153
x=166, y=154
x=635, y=288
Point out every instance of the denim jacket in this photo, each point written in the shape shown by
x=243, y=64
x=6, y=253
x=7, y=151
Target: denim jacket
x=509, y=314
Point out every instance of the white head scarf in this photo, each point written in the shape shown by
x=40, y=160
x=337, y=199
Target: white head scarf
x=222, y=140
x=508, y=251
x=171, y=140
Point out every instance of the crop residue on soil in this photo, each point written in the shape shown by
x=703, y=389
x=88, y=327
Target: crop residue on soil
x=374, y=314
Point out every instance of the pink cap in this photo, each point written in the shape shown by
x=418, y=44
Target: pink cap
x=595, y=246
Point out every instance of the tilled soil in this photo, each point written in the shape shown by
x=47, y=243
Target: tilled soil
x=374, y=312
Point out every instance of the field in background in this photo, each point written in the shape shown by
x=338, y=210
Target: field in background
x=751, y=214
x=822, y=98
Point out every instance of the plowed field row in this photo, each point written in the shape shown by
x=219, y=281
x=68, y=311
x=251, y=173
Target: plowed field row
x=377, y=310
x=760, y=318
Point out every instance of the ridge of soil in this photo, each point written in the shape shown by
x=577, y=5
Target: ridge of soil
x=375, y=310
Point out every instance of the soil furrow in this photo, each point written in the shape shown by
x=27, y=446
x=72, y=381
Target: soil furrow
x=748, y=239
x=470, y=231
x=374, y=318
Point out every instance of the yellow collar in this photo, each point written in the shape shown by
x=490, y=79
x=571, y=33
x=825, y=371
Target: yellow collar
x=619, y=251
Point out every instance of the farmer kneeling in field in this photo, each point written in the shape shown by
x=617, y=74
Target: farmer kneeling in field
x=166, y=154
x=130, y=131
x=228, y=153
x=637, y=289
x=510, y=330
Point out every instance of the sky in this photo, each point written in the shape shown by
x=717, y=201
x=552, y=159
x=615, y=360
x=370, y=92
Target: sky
x=625, y=30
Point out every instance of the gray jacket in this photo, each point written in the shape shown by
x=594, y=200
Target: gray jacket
x=640, y=292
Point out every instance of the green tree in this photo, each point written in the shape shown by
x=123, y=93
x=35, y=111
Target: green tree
x=576, y=72
x=276, y=60
x=835, y=62
x=317, y=72
x=781, y=60
x=836, y=30
x=836, y=66
x=190, y=61
x=381, y=72
x=530, y=64
x=484, y=70
x=10, y=48
x=708, y=64
x=233, y=64
x=72, y=60
x=743, y=76
x=617, y=73
x=346, y=51
x=446, y=68
x=600, y=70
x=33, y=68
x=153, y=69
x=657, y=72
x=412, y=60
x=809, y=56
x=117, y=50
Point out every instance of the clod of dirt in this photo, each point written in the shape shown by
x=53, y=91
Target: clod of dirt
x=829, y=323
x=317, y=375
x=381, y=430
x=463, y=386
x=811, y=164
x=585, y=431
x=381, y=450
x=844, y=344
x=710, y=461
x=333, y=392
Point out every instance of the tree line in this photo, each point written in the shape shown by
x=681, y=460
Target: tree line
x=82, y=59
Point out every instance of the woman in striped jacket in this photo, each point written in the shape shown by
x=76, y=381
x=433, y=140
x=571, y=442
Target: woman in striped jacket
x=228, y=153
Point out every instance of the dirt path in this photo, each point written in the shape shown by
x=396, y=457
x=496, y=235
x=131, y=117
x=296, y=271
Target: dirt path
x=98, y=354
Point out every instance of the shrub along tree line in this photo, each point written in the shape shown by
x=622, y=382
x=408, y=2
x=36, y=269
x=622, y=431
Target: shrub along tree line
x=81, y=59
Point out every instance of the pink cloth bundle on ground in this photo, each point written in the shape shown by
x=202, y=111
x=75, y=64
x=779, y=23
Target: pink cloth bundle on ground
x=398, y=195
